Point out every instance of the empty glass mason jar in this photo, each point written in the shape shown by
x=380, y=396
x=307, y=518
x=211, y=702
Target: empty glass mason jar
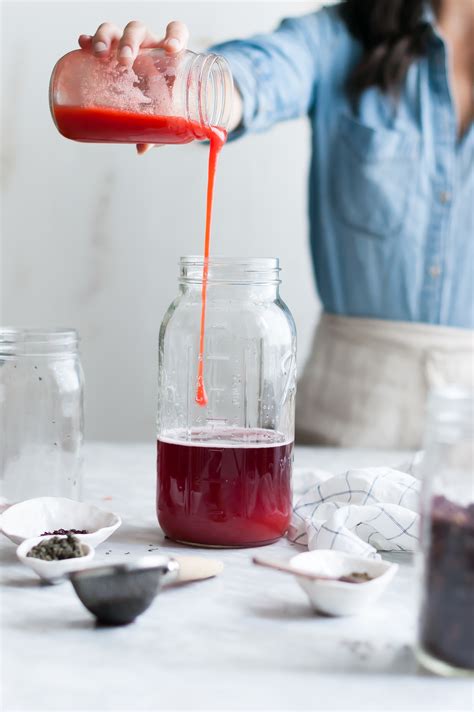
x=224, y=470
x=162, y=98
x=41, y=414
x=446, y=634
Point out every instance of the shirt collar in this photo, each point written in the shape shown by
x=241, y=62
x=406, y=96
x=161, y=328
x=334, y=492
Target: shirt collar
x=428, y=15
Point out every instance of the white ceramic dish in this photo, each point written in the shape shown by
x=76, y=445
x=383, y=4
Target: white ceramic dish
x=29, y=519
x=338, y=598
x=53, y=571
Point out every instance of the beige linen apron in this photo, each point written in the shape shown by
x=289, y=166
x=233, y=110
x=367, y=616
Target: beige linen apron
x=366, y=380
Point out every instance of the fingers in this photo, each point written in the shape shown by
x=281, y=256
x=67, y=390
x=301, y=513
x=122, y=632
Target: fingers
x=85, y=41
x=107, y=33
x=135, y=35
x=144, y=147
x=176, y=38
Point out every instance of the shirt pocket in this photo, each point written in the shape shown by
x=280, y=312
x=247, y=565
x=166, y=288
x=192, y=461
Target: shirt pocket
x=373, y=173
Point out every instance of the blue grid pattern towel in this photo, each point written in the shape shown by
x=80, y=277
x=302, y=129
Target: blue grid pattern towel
x=359, y=511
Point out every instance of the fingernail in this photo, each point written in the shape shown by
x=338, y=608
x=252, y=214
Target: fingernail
x=173, y=43
x=126, y=52
x=100, y=47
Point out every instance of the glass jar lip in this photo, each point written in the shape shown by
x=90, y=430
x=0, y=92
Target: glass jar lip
x=213, y=65
x=252, y=263
x=15, y=340
x=451, y=403
x=230, y=270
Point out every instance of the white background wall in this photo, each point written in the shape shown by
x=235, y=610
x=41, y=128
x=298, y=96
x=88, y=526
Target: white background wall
x=91, y=234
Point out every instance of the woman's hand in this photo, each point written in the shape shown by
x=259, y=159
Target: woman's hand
x=127, y=43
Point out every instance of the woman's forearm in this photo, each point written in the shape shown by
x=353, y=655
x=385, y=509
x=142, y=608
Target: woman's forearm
x=237, y=111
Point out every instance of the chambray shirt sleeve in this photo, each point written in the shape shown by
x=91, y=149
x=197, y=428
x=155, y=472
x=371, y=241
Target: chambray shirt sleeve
x=276, y=74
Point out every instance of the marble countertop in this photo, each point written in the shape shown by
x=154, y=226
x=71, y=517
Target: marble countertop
x=244, y=640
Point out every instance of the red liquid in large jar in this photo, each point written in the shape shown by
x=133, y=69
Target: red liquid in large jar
x=224, y=488
x=100, y=124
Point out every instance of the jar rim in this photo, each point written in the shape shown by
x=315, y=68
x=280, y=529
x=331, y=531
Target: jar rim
x=230, y=270
x=32, y=340
x=451, y=403
x=262, y=263
x=451, y=394
x=36, y=335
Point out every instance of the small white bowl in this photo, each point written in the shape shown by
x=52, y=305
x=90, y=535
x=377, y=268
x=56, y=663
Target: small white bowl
x=338, y=598
x=32, y=517
x=53, y=571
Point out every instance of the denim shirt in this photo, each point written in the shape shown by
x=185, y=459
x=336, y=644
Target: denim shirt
x=391, y=192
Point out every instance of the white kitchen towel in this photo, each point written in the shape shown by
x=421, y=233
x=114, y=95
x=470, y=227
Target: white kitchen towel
x=360, y=511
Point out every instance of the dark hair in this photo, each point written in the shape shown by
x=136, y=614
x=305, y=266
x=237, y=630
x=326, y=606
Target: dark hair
x=393, y=34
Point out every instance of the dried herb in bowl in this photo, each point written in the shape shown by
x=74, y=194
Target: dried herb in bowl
x=63, y=532
x=57, y=549
x=355, y=577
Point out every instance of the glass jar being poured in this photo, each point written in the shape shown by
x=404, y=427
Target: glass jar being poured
x=161, y=99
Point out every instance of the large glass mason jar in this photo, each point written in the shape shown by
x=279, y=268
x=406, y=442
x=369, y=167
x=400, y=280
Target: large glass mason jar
x=224, y=469
x=446, y=634
x=41, y=414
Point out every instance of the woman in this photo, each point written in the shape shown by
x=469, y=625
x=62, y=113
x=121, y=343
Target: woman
x=388, y=87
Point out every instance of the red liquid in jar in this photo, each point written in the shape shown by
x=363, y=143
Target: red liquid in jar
x=99, y=124
x=224, y=488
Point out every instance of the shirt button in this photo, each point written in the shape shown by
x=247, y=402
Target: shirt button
x=435, y=271
x=444, y=197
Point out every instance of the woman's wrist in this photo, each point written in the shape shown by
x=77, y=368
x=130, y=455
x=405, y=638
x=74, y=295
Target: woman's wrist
x=237, y=114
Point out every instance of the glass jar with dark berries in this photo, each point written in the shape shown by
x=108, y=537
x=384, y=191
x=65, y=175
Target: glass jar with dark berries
x=446, y=632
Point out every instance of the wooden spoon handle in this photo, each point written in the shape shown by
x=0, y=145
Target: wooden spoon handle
x=197, y=568
x=284, y=568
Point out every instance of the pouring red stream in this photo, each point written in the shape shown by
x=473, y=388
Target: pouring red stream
x=100, y=124
x=217, y=140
